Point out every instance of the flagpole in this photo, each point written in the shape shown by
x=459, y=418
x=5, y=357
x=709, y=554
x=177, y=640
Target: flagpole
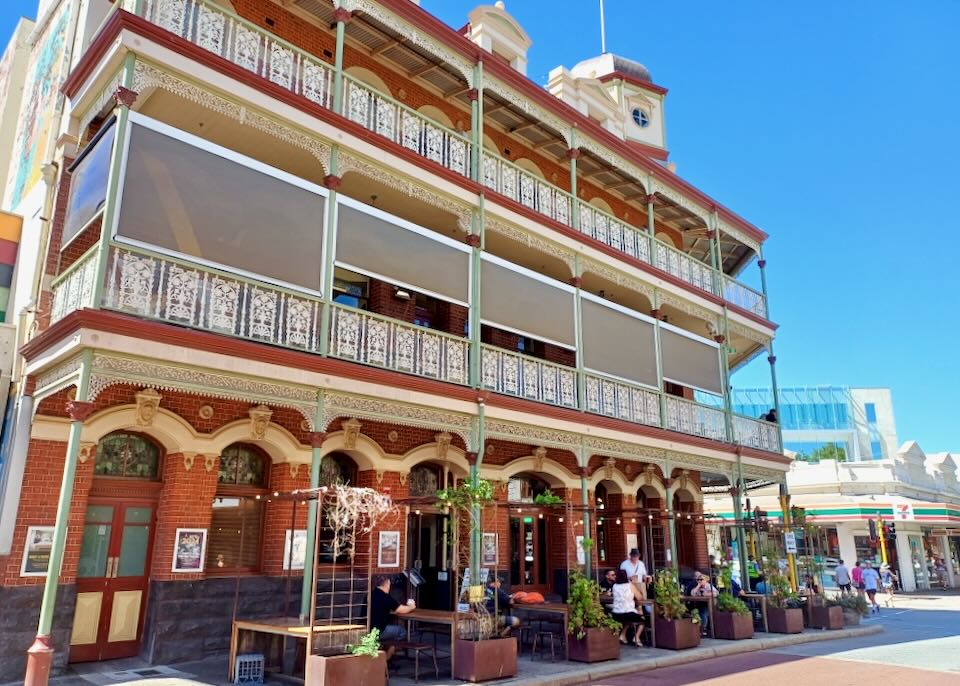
x=603, y=32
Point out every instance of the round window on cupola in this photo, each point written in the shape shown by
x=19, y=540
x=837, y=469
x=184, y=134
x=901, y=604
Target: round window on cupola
x=641, y=118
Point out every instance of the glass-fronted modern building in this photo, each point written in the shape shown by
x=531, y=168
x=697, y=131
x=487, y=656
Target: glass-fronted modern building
x=828, y=422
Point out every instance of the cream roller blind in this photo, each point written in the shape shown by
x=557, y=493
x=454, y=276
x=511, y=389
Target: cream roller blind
x=693, y=362
x=617, y=343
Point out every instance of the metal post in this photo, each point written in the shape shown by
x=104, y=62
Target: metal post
x=573, y=154
x=476, y=525
x=476, y=241
x=713, y=236
x=585, y=500
x=661, y=392
x=578, y=333
x=651, y=222
x=883, y=540
x=741, y=536
x=40, y=654
x=725, y=369
x=341, y=16
x=788, y=525
x=316, y=442
x=762, y=263
x=329, y=247
x=772, y=359
x=476, y=122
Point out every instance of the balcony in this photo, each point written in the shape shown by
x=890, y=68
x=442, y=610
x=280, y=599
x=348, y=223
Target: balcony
x=283, y=64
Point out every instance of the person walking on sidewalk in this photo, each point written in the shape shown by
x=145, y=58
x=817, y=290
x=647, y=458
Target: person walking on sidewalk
x=843, y=577
x=857, y=577
x=889, y=581
x=871, y=582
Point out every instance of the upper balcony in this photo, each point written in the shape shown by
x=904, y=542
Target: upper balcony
x=527, y=159
x=203, y=237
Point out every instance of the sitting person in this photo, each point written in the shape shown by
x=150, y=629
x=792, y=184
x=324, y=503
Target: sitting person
x=626, y=595
x=703, y=589
x=608, y=580
x=498, y=602
x=760, y=585
x=383, y=608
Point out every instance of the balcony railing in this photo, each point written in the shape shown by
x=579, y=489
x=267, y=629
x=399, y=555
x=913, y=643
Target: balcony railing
x=756, y=433
x=379, y=341
x=388, y=118
x=73, y=290
x=250, y=47
x=695, y=419
x=527, y=377
x=744, y=296
x=614, y=398
x=155, y=287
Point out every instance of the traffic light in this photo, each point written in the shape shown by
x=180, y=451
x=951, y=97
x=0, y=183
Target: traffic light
x=890, y=529
x=872, y=524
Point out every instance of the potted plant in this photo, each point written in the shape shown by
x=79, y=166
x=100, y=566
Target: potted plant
x=362, y=665
x=784, y=607
x=825, y=615
x=593, y=633
x=482, y=653
x=853, y=606
x=676, y=627
x=732, y=619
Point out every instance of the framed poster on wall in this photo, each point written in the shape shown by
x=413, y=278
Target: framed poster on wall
x=295, y=549
x=388, y=552
x=488, y=555
x=189, y=550
x=36, y=551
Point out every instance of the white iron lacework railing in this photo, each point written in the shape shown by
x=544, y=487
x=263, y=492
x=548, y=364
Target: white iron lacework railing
x=388, y=118
x=73, y=290
x=529, y=190
x=695, y=419
x=244, y=44
x=379, y=341
x=744, y=296
x=622, y=400
x=756, y=433
x=684, y=267
x=155, y=287
x=510, y=373
x=613, y=232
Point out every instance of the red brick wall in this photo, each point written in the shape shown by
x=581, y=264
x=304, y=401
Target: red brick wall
x=278, y=515
x=81, y=243
x=383, y=301
x=395, y=522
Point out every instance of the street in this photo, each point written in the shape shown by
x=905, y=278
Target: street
x=920, y=645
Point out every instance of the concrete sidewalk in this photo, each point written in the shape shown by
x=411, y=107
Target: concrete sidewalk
x=531, y=672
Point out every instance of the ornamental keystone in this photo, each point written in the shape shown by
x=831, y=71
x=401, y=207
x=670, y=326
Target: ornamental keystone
x=443, y=444
x=148, y=403
x=351, y=432
x=608, y=467
x=259, y=421
x=87, y=450
x=539, y=454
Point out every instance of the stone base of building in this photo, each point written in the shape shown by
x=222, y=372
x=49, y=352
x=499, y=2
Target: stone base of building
x=18, y=627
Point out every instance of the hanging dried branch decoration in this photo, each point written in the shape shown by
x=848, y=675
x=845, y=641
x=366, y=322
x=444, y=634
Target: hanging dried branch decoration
x=349, y=511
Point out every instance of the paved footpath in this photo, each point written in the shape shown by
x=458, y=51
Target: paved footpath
x=920, y=645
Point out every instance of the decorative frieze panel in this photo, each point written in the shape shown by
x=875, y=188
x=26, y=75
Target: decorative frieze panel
x=531, y=434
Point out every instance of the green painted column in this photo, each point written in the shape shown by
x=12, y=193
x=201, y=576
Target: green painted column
x=341, y=16
x=329, y=249
x=655, y=313
x=577, y=282
x=476, y=122
x=651, y=221
x=715, y=255
x=475, y=460
x=672, y=523
x=775, y=391
x=125, y=98
x=317, y=437
x=574, y=154
x=741, y=534
x=40, y=654
x=585, y=501
x=762, y=264
x=722, y=339
x=476, y=241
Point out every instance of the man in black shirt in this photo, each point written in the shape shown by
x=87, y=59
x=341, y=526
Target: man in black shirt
x=383, y=608
x=608, y=580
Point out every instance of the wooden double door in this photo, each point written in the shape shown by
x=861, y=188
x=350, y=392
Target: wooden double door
x=112, y=579
x=529, y=545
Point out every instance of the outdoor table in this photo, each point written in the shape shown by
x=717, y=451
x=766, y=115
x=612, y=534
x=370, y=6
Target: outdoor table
x=709, y=600
x=762, y=599
x=245, y=632
x=443, y=617
x=551, y=608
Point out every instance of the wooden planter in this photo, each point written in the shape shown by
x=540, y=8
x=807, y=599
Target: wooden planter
x=732, y=627
x=851, y=617
x=355, y=670
x=826, y=617
x=495, y=658
x=596, y=646
x=677, y=634
x=785, y=620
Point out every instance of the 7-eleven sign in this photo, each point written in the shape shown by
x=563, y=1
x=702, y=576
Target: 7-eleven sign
x=903, y=511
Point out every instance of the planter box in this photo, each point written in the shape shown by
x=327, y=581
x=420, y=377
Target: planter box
x=596, y=646
x=824, y=617
x=851, y=617
x=356, y=670
x=785, y=621
x=495, y=658
x=677, y=634
x=732, y=627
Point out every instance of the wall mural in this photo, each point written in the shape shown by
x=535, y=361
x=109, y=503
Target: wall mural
x=44, y=76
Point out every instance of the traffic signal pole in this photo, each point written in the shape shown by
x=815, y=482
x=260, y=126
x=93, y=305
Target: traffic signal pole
x=882, y=533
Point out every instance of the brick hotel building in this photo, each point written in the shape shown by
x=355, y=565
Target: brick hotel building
x=284, y=243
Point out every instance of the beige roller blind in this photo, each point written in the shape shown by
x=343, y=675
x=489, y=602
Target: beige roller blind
x=517, y=301
x=690, y=361
x=201, y=204
x=379, y=247
x=618, y=344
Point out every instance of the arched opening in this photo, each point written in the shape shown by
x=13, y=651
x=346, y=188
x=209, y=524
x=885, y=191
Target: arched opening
x=437, y=115
x=601, y=204
x=685, y=522
x=237, y=518
x=364, y=75
x=529, y=532
x=530, y=166
x=666, y=238
x=651, y=528
x=115, y=549
x=336, y=468
x=429, y=536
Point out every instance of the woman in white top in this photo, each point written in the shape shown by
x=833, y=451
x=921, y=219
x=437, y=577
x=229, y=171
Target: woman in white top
x=625, y=598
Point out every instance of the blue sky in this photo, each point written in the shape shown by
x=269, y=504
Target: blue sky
x=833, y=126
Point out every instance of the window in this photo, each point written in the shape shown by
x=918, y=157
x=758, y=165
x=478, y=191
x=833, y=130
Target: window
x=351, y=291
x=425, y=311
x=237, y=516
x=876, y=450
x=127, y=455
x=424, y=480
x=641, y=118
x=88, y=184
x=335, y=468
x=871, y=410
